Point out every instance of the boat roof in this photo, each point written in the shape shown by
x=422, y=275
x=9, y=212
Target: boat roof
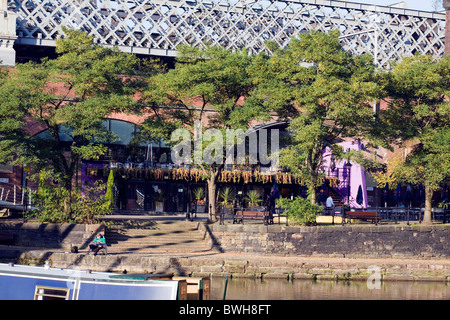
x=86, y=275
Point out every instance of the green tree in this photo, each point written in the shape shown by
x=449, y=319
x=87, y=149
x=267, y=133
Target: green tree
x=85, y=205
x=300, y=210
x=109, y=196
x=419, y=115
x=69, y=96
x=326, y=91
x=207, y=85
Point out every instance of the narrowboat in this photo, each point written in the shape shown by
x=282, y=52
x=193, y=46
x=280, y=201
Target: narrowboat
x=21, y=282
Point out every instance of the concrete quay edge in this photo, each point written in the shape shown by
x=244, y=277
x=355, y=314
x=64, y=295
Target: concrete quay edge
x=239, y=265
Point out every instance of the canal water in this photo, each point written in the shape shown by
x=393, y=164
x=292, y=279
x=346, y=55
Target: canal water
x=275, y=289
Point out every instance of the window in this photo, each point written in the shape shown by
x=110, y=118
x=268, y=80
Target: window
x=49, y=293
x=125, y=131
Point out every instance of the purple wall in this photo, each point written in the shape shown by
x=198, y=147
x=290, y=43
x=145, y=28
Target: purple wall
x=89, y=180
x=357, y=175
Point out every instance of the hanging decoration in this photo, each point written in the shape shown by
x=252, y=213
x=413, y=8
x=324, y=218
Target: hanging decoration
x=198, y=175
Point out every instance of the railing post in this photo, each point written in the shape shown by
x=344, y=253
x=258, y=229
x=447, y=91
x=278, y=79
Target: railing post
x=14, y=201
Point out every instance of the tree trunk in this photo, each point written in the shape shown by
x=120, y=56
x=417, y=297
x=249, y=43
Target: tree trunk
x=67, y=197
x=313, y=176
x=212, y=198
x=313, y=195
x=427, y=213
x=213, y=173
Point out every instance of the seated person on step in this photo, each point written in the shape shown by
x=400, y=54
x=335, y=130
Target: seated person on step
x=98, y=243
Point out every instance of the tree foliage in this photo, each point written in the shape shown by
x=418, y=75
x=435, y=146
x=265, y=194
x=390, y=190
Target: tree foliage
x=418, y=89
x=69, y=96
x=58, y=204
x=207, y=85
x=328, y=93
x=300, y=210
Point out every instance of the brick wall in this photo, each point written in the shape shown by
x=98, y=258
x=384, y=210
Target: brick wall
x=446, y=5
x=447, y=33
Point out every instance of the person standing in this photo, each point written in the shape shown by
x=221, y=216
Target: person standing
x=329, y=204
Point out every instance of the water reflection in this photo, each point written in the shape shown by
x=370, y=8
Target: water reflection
x=274, y=289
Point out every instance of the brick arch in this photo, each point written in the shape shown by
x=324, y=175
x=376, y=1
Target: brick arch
x=136, y=119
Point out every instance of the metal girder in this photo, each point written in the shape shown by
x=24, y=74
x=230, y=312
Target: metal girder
x=157, y=27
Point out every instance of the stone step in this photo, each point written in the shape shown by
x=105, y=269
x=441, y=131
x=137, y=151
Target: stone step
x=184, y=245
x=152, y=233
x=154, y=240
x=158, y=242
x=156, y=250
x=157, y=226
x=115, y=236
x=161, y=236
x=135, y=233
x=179, y=242
x=159, y=248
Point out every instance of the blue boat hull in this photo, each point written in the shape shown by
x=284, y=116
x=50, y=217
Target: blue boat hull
x=38, y=283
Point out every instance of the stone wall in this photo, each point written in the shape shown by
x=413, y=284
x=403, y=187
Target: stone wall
x=398, y=241
x=295, y=252
x=248, y=266
x=51, y=235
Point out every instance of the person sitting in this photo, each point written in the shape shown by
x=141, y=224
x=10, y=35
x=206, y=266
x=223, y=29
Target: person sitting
x=98, y=244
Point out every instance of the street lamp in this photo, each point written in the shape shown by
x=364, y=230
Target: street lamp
x=348, y=166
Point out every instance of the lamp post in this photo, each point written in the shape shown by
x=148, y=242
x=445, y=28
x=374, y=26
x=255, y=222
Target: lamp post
x=348, y=166
x=188, y=205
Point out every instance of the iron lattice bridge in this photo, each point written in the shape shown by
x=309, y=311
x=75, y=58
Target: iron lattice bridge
x=157, y=27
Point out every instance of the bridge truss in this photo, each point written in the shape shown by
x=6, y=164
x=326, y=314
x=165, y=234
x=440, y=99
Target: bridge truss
x=157, y=27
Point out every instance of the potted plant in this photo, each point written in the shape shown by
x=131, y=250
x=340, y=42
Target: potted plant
x=227, y=196
x=199, y=195
x=253, y=198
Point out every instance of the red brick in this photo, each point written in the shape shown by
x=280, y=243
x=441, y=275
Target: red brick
x=447, y=33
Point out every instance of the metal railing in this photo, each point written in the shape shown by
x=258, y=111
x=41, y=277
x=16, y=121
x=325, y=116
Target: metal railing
x=15, y=195
x=396, y=214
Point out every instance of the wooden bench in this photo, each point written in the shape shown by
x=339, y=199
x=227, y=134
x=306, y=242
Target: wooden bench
x=365, y=215
x=242, y=215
